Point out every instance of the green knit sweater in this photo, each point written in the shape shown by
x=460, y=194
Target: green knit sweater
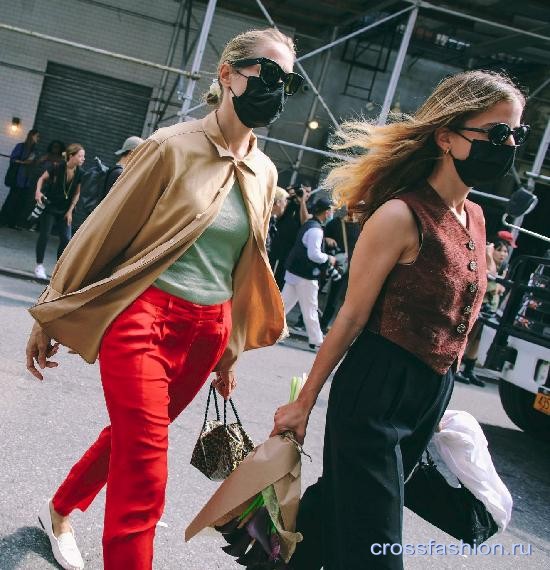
x=204, y=273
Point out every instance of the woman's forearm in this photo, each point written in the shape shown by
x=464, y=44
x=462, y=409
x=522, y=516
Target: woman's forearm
x=40, y=181
x=75, y=199
x=342, y=334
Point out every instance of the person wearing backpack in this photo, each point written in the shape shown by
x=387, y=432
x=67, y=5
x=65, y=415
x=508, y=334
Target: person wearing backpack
x=123, y=157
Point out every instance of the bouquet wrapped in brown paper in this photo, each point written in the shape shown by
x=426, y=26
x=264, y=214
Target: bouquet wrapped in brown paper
x=255, y=508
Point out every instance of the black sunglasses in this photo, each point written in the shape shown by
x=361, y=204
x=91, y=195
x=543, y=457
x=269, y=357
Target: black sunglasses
x=498, y=134
x=271, y=73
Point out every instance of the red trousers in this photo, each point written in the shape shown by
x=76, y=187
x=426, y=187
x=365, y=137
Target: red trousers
x=154, y=358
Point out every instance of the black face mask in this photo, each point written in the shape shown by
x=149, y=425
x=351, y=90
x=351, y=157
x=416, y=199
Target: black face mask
x=258, y=106
x=486, y=163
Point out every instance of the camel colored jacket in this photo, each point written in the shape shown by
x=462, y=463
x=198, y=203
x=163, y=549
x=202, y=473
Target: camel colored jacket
x=169, y=193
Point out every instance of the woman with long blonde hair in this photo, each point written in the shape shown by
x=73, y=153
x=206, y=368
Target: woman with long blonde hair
x=167, y=280
x=417, y=280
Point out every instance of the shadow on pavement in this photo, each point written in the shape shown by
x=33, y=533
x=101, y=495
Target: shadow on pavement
x=15, y=547
x=523, y=463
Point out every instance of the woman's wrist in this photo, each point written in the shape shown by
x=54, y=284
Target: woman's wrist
x=307, y=398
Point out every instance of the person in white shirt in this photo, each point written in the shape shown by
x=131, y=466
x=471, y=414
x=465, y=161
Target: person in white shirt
x=304, y=265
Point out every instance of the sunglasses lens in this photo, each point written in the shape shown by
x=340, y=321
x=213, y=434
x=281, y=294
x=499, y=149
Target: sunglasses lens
x=293, y=83
x=270, y=74
x=499, y=133
x=520, y=134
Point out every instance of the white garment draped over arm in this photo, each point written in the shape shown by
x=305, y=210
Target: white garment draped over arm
x=462, y=445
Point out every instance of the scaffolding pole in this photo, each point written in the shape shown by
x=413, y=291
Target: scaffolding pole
x=539, y=158
x=429, y=6
x=99, y=51
x=169, y=59
x=306, y=148
x=398, y=66
x=539, y=89
x=311, y=115
x=197, y=60
x=301, y=69
x=356, y=33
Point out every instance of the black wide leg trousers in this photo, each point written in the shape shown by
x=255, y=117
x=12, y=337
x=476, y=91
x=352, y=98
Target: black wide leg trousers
x=383, y=409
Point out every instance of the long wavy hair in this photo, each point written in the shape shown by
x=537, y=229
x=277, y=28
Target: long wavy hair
x=386, y=160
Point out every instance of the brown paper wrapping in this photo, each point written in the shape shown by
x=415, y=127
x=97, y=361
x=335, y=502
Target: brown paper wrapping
x=275, y=462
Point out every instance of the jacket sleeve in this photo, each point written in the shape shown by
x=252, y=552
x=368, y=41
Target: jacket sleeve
x=102, y=239
x=16, y=153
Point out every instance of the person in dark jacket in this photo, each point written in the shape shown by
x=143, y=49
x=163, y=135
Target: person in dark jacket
x=304, y=265
x=123, y=154
x=344, y=231
x=277, y=210
x=22, y=158
x=59, y=197
x=288, y=225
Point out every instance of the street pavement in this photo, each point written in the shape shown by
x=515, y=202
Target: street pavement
x=17, y=253
x=45, y=426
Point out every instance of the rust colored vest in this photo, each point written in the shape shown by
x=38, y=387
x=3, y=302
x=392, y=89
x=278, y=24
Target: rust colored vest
x=428, y=307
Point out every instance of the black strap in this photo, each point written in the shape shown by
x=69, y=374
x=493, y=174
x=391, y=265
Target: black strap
x=210, y=392
x=234, y=411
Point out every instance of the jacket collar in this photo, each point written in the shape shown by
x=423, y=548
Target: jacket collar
x=212, y=130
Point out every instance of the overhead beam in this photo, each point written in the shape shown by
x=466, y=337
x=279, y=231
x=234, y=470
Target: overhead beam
x=98, y=51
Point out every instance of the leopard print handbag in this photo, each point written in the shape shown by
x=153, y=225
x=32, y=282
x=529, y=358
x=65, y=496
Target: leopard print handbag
x=221, y=446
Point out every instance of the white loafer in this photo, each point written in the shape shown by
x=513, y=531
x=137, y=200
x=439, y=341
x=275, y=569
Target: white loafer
x=64, y=547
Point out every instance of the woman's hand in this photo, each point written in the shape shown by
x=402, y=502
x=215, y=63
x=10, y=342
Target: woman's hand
x=225, y=382
x=292, y=417
x=38, y=197
x=39, y=348
x=69, y=217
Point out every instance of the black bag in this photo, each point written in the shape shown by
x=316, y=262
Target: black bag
x=221, y=446
x=455, y=511
x=92, y=191
x=10, y=180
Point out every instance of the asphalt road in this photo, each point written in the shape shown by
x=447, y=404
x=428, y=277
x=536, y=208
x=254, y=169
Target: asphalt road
x=46, y=426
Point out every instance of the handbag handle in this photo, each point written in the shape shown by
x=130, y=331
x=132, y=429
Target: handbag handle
x=234, y=411
x=212, y=390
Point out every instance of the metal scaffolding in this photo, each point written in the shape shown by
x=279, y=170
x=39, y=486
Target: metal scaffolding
x=163, y=100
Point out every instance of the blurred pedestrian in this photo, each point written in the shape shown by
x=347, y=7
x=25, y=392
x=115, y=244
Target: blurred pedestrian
x=167, y=280
x=344, y=231
x=497, y=254
x=53, y=156
x=304, y=266
x=123, y=154
x=277, y=210
x=58, y=189
x=288, y=226
x=18, y=179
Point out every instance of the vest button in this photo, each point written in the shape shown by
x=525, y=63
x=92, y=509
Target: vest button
x=461, y=328
x=472, y=266
x=472, y=287
x=471, y=245
x=467, y=310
